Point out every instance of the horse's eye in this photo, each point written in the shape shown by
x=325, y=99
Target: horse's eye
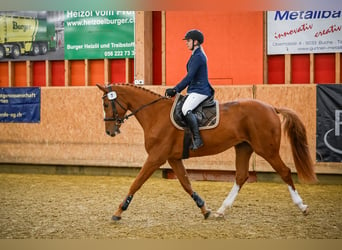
x=105, y=105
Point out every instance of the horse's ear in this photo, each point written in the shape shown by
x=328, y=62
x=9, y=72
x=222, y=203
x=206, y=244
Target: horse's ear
x=101, y=87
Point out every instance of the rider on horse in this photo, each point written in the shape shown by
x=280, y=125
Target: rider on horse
x=199, y=88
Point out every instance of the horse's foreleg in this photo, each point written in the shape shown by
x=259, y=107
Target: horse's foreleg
x=145, y=173
x=243, y=153
x=179, y=169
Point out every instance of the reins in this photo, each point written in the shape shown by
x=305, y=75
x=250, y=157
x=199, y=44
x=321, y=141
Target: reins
x=125, y=117
x=139, y=109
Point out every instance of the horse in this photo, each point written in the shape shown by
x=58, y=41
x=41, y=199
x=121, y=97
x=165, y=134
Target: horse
x=248, y=125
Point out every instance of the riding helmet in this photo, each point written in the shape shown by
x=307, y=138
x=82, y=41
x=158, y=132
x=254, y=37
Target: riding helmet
x=194, y=35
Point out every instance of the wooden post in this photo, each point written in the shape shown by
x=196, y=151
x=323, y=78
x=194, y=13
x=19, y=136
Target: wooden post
x=86, y=72
x=143, y=47
x=67, y=70
x=107, y=71
x=128, y=70
x=10, y=74
x=29, y=71
x=48, y=73
x=312, y=68
x=337, y=68
x=288, y=69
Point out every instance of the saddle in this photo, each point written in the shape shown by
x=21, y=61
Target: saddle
x=207, y=113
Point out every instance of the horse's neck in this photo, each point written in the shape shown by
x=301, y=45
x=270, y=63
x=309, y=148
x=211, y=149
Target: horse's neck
x=137, y=100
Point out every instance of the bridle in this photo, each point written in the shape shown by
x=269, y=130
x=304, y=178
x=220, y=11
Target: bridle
x=112, y=97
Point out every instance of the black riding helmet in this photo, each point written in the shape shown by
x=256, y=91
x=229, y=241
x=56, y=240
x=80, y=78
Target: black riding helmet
x=194, y=35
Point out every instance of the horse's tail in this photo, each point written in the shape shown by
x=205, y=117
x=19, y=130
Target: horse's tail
x=296, y=132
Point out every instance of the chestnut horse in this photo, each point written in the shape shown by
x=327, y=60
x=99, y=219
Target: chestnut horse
x=248, y=125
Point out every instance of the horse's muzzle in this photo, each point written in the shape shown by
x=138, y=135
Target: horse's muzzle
x=116, y=132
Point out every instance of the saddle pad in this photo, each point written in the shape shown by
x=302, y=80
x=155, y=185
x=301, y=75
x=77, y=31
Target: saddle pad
x=209, y=115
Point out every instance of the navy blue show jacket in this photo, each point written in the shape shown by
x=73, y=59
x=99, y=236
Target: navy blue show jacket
x=197, y=77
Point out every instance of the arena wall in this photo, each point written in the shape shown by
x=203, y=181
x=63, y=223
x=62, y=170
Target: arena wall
x=71, y=130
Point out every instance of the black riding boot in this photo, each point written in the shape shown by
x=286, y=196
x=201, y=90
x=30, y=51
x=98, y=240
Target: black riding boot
x=192, y=122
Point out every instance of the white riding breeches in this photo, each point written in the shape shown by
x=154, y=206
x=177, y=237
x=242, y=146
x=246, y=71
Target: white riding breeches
x=192, y=101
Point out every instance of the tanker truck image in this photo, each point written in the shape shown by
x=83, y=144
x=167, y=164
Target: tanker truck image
x=25, y=36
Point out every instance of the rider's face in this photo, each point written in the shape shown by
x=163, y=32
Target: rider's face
x=189, y=43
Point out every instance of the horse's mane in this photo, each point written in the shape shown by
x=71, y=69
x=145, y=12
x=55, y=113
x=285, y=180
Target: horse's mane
x=137, y=87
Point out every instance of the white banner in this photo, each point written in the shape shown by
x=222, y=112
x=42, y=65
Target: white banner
x=303, y=32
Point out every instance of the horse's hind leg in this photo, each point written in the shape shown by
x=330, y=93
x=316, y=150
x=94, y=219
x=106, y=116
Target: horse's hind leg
x=179, y=169
x=285, y=173
x=243, y=154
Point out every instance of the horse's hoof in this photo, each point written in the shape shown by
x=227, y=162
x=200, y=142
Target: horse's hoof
x=116, y=218
x=207, y=214
x=306, y=211
x=218, y=215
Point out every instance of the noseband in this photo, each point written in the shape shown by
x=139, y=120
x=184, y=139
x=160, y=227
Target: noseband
x=112, y=97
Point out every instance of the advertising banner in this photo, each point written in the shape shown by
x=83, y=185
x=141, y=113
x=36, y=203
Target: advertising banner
x=303, y=32
x=99, y=34
x=66, y=35
x=31, y=35
x=20, y=105
x=329, y=123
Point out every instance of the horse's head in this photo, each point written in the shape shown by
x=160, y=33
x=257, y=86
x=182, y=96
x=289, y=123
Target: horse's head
x=114, y=111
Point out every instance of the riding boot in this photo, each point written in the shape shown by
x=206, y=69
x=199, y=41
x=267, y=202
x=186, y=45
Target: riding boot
x=193, y=125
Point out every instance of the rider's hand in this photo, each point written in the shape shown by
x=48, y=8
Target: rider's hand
x=170, y=92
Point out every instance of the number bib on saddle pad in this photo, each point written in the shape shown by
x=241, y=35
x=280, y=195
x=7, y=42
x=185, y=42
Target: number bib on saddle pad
x=207, y=113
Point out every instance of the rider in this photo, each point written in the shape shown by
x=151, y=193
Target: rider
x=199, y=88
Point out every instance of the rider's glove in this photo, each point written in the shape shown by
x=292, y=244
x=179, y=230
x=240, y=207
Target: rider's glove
x=170, y=92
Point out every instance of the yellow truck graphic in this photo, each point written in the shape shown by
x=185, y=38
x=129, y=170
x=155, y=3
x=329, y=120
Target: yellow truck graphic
x=25, y=35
